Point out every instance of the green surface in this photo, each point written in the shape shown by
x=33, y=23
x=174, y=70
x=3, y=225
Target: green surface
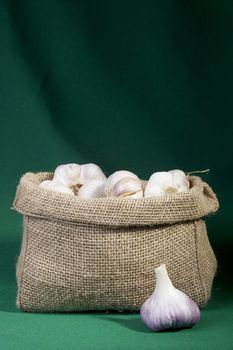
x=143, y=86
x=114, y=331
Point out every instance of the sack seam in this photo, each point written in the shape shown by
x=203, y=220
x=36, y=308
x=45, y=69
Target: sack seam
x=198, y=264
x=23, y=261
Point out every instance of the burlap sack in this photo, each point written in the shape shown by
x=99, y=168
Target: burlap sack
x=101, y=254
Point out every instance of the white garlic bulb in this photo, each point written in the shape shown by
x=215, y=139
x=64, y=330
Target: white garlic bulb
x=75, y=175
x=55, y=186
x=92, y=189
x=180, y=180
x=123, y=184
x=161, y=183
x=68, y=175
x=158, y=184
x=168, y=307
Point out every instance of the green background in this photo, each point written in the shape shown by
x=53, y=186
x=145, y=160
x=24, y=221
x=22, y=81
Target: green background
x=137, y=85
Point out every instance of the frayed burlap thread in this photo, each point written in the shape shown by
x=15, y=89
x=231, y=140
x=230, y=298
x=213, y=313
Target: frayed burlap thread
x=101, y=254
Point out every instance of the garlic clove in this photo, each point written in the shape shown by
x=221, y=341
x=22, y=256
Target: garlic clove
x=52, y=185
x=89, y=172
x=168, y=307
x=92, y=189
x=115, y=177
x=127, y=187
x=123, y=184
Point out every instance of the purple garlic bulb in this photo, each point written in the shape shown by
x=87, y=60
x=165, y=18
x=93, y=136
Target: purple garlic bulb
x=168, y=307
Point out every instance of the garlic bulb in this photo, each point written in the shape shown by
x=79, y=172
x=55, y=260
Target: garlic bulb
x=158, y=184
x=161, y=183
x=55, y=186
x=168, y=307
x=74, y=175
x=68, y=175
x=180, y=180
x=123, y=184
x=92, y=189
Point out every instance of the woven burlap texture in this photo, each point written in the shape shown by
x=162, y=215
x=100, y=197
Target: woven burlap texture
x=101, y=254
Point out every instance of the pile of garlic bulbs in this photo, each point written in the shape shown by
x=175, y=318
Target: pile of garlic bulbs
x=88, y=181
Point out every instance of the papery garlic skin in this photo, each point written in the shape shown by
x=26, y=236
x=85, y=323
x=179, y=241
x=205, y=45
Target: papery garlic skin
x=68, y=174
x=158, y=184
x=92, y=189
x=90, y=172
x=55, y=186
x=168, y=307
x=127, y=186
x=75, y=175
x=180, y=180
x=164, y=183
x=123, y=183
